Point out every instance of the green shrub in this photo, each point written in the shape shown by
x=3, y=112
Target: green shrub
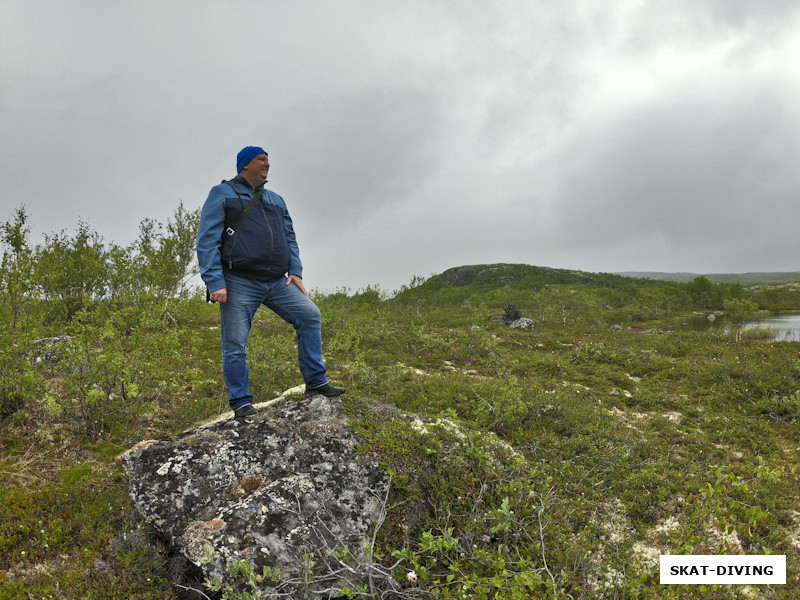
x=785, y=407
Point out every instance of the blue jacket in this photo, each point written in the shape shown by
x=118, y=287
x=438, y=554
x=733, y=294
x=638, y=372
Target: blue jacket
x=264, y=246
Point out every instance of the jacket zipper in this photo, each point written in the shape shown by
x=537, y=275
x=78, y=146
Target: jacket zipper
x=271, y=235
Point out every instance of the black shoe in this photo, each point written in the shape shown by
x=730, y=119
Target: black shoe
x=245, y=411
x=326, y=390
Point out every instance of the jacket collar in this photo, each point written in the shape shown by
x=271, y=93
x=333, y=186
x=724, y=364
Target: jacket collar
x=245, y=183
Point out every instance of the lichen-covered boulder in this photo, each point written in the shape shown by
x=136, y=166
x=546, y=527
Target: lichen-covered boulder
x=524, y=323
x=284, y=489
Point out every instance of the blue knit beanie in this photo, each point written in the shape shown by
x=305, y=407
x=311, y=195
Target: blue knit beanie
x=246, y=155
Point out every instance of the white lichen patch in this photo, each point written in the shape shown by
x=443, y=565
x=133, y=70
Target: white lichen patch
x=448, y=425
x=491, y=441
x=450, y=366
x=794, y=536
x=646, y=555
x=714, y=534
x=612, y=580
x=577, y=386
x=667, y=526
x=628, y=418
x=293, y=391
x=424, y=428
x=638, y=416
x=615, y=522
x=727, y=541
x=412, y=370
x=228, y=415
x=605, y=578
x=139, y=447
x=301, y=531
x=418, y=425
x=674, y=416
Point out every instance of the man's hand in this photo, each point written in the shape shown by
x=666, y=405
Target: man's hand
x=298, y=281
x=219, y=295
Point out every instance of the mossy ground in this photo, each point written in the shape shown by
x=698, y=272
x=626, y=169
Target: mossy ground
x=554, y=462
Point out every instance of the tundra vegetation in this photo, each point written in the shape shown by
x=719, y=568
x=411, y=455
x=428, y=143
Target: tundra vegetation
x=558, y=462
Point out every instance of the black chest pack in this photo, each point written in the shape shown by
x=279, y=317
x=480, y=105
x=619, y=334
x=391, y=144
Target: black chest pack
x=229, y=231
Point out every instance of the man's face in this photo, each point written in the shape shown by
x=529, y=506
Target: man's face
x=256, y=170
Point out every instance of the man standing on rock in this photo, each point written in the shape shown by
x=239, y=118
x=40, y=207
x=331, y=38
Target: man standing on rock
x=248, y=256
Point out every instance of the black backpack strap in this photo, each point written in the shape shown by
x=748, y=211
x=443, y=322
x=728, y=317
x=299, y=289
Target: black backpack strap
x=229, y=231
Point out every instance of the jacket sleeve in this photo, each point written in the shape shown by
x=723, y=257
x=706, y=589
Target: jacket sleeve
x=295, y=266
x=209, y=240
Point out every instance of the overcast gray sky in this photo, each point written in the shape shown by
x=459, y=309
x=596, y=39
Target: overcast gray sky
x=410, y=137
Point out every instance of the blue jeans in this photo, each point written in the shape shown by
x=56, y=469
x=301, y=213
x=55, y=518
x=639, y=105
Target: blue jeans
x=245, y=296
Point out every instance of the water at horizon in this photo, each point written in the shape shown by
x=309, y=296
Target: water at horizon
x=785, y=326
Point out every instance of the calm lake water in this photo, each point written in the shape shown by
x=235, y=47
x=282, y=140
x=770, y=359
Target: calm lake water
x=785, y=326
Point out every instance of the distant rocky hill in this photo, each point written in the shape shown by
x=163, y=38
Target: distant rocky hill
x=517, y=275
x=743, y=278
x=500, y=284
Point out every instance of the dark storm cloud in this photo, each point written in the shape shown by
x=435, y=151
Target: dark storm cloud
x=410, y=137
x=712, y=173
x=343, y=157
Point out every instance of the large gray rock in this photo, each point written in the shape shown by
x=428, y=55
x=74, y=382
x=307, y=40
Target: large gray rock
x=513, y=318
x=50, y=352
x=284, y=489
x=524, y=323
